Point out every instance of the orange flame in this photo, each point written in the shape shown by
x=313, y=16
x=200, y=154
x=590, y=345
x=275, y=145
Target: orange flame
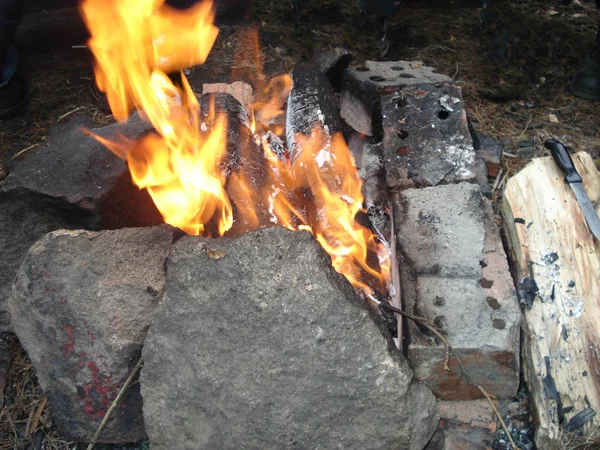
x=136, y=42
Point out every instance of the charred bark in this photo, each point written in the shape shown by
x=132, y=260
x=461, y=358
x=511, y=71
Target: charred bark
x=311, y=104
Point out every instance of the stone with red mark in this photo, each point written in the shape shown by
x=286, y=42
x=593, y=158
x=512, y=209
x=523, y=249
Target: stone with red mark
x=83, y=349
x=455, y=273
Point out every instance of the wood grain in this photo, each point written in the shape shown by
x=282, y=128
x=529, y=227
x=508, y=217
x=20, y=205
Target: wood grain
x=549, y=241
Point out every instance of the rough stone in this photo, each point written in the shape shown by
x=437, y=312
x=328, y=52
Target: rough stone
x=81, y=305
x=363, y=85
x=71, y=182
x=426, y=136
x=259, y=343
x=455, y=272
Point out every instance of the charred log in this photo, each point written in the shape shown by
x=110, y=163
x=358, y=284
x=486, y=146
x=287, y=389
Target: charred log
x=311, y=104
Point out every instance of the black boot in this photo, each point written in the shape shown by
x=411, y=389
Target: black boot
x=13, y=96
x=586, y=82
x=13, y=89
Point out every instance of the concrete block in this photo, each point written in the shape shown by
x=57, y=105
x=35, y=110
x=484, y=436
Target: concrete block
x=363, y=85
x=455, y=273
x=426, y=136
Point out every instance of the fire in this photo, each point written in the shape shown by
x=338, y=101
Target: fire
x=136, y=43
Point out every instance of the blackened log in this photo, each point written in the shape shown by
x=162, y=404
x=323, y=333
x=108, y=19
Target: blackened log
x=311, y=104
x=250, y=181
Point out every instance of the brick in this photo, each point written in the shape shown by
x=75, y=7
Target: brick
x=455, y=273
x=363, y=85
x=452, y=435
x=426, y=136
x=477, y=413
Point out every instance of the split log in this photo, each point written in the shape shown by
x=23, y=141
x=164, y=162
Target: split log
x=557, y=264
x=250, y=180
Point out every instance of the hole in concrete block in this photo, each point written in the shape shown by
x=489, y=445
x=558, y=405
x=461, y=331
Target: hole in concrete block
x=402, y=134
x=397, y=68
x=494, y=304
x=406, y=75
x=362, y=69
x=486, y=284
x=439, y=301
x=499, y=324
x=403, y=151
x=440, y=322
x=443, y=114
x=376, y=78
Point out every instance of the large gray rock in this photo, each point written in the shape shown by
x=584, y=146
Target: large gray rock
x=71, y=182
x=455, y=273
x=81, y=306
x=259, y=343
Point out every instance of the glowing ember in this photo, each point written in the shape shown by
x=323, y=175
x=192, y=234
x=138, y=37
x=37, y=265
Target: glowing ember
x=136, y=42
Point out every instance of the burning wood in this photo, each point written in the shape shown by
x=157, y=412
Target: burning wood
x=311, y=103
x=208, y=168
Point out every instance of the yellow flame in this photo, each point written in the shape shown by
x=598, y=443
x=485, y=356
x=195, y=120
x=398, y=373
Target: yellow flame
x=136, y=43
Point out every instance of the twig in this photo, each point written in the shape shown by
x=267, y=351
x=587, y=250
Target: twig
x=34, y=418
x=69, y=113
x=497, y=181
x=526, y=128
x=427, y=324
x=115, y=403
x=455, y=72
x=19, y=153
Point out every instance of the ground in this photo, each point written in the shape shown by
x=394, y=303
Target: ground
x=514, y=70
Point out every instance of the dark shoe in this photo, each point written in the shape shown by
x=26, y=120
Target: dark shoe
x=13, y=96
x=586, y=82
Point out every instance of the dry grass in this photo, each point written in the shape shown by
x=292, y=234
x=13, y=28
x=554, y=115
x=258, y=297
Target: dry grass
x=20, y=426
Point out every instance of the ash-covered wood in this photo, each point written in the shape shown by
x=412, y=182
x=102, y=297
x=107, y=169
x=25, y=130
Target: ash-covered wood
x=311, y=104
x=252, y=183
x=557, y=262
x=239, y=134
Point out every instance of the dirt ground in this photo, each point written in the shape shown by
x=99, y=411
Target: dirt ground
x=518, y=97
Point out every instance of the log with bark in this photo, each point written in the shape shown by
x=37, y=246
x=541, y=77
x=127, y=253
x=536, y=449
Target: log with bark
x=557, y=267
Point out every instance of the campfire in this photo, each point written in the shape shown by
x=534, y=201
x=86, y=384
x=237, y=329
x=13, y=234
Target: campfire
x=234, y=313
x=213, y=168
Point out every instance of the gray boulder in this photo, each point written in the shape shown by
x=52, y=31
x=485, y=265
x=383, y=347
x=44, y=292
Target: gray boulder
x=259, y=343
x=72, y=182
x=81, y=305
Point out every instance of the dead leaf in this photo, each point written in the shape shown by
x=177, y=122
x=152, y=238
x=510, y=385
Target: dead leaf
x=215, y=254
x=553, y=12
x=552, y=118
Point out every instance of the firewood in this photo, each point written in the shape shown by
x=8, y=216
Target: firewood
x=311, y=104
x=557, y=266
